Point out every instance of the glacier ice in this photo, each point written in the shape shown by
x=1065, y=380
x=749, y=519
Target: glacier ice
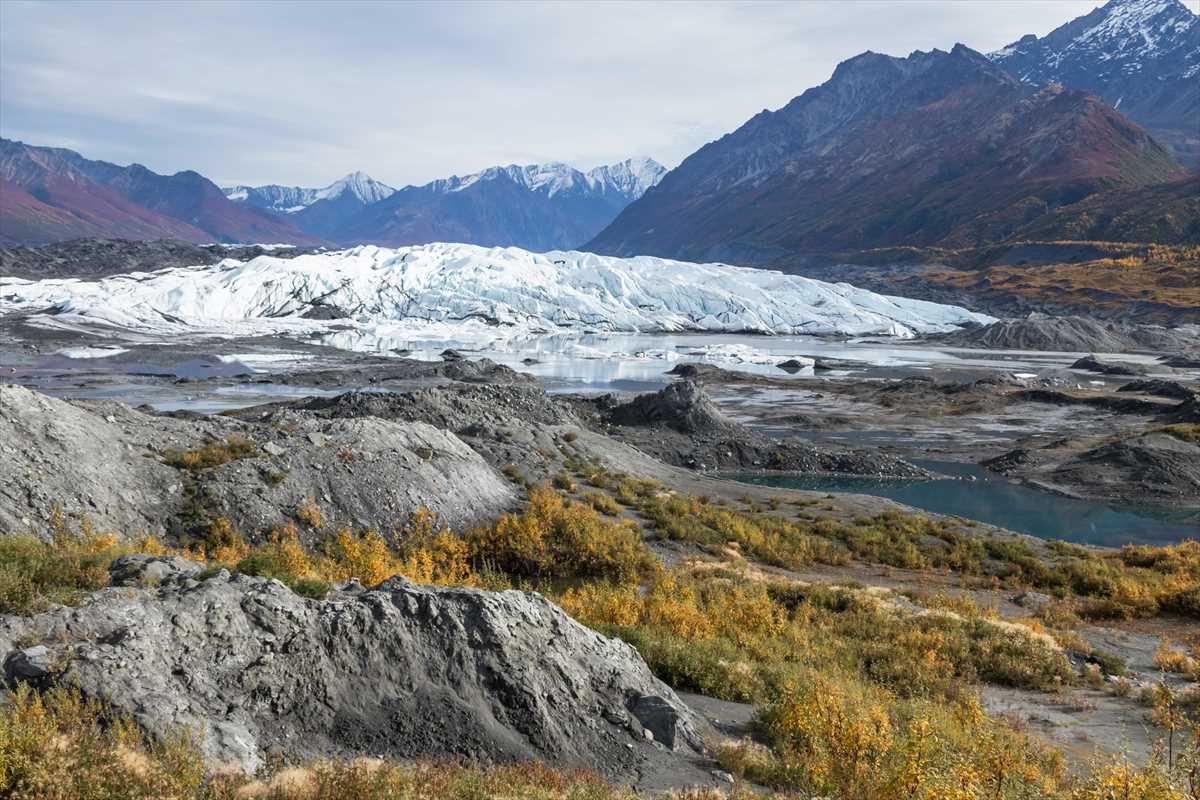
x=476, y=294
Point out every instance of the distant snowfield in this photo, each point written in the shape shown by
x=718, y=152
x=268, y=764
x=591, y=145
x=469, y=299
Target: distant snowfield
x=474, y=295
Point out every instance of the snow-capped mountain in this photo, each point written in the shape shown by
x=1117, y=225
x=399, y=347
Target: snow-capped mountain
x=316, y=211
x=1142, y=56
x=538, y=207
x=465, y=292
x=628, y=180
x=294, y=199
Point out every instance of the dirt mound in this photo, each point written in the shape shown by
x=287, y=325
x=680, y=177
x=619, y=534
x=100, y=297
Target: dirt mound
x=1154, y=467
x=1093, y=364
x=399, y=670
x=454, y=408
x=1074, y=335
x=1160, y=388
x=399, y=370
x=128, y=471
x=681, y=426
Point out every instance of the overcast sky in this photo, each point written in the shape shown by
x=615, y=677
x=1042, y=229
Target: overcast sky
x=303, y=93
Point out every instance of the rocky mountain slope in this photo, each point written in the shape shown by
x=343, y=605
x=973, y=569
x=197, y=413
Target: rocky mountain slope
x=52, y=194
x=1141, y=56
x=934, y=148
x=317, y=211
x=537, y=207
x=1165, y=213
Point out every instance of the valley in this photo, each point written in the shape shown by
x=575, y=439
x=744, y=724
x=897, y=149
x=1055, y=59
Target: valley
x=850, y=453
x=924, y=475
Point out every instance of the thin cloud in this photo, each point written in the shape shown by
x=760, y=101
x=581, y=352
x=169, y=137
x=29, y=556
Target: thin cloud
x=303, y=93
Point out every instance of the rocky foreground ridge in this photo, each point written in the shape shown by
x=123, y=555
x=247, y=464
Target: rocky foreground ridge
x=394, y=670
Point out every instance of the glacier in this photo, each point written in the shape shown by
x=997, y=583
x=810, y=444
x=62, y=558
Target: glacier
x=473, y=294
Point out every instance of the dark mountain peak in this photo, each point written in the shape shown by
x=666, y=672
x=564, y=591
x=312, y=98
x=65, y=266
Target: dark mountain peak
x=1141, y=56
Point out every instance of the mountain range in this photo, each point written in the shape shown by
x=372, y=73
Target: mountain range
x=537, y=207
x=53, y=194
x=1141, y=56
x=315, y=211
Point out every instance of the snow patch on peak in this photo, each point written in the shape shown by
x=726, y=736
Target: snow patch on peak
x=630, y=178
x=1121, y=30
x=358, y=183
x=292, y=199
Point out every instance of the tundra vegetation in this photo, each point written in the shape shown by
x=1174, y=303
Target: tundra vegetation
x=858, y=694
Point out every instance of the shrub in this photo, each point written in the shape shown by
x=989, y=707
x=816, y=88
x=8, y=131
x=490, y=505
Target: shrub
x=309, y=513
x=558, y=538
x=602, y=503
x=211, y=455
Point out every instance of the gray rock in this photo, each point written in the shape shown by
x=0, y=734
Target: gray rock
x=274, y=449
x=794, y=365
x=142, y=570
x=398, y=670
x=659, y=718
x=1032, y=600
x=30, y=664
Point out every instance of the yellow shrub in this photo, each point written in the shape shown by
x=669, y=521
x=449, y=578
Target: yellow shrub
x=309, y=513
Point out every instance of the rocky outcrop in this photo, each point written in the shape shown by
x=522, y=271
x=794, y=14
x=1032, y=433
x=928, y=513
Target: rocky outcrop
x=113, y=464
x=1152, y=468
x=683, y=427
x=682, y=406
x=397, y=670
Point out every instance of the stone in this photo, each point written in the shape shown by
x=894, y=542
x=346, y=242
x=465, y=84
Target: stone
x=659, y=718
x=138, y=570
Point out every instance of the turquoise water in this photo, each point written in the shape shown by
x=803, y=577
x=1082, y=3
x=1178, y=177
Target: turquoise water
x=995, y=500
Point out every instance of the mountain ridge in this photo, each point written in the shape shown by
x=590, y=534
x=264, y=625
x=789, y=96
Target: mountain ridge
x=937, y=147
x=64, y=195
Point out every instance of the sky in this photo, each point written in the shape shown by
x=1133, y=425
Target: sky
x=302, y=93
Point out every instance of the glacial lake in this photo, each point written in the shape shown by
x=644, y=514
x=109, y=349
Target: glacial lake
x=993, y=499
